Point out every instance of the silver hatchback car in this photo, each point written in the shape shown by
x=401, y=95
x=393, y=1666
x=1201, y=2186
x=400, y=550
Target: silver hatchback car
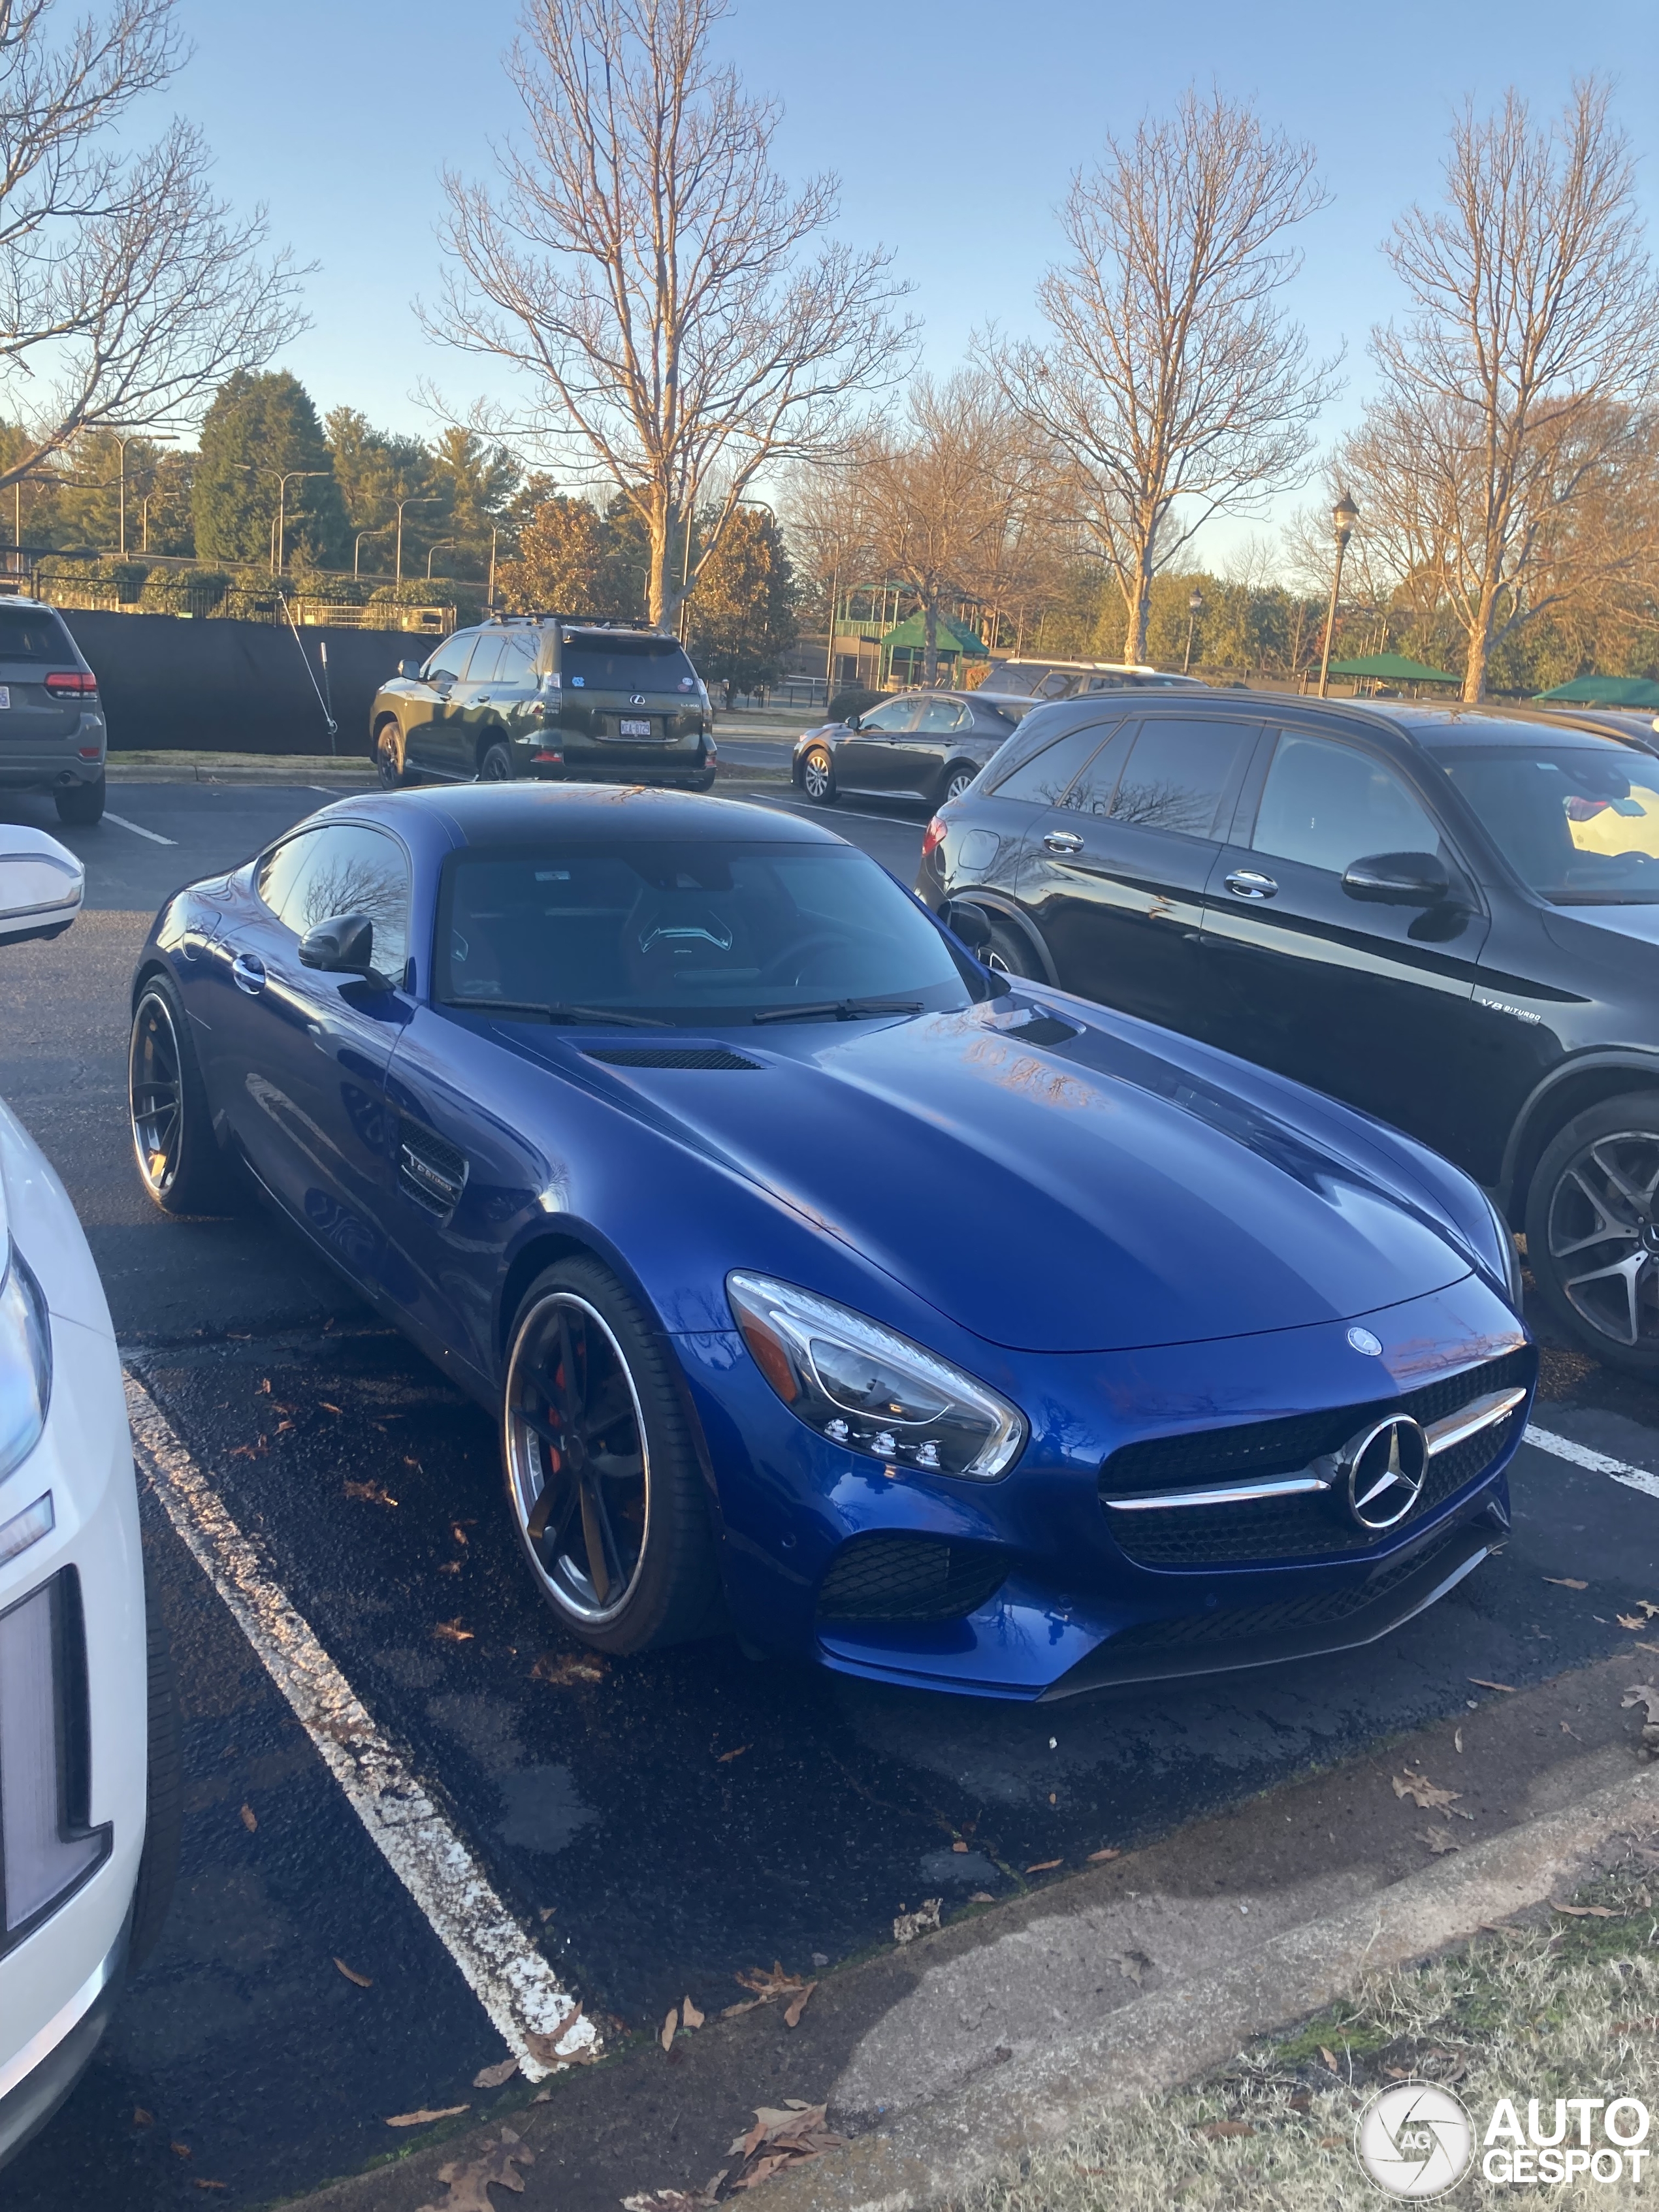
x=52, y=736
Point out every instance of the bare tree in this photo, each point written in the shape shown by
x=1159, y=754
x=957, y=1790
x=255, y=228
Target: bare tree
x=1508, y=455
x=650, y=271
x=1172, y=383
x=127, y=290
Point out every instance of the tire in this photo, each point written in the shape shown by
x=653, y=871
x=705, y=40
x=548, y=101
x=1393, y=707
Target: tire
x=1593, y=1230
x=389, y=767
x=81, y=803
x=164, y=1791
x=958, y=778
x=1010, y=953
x=817, y=777
x=625, y=1558
x=496, y=765
x=179, y=1162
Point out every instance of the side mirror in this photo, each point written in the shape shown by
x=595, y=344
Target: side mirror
x=41, y=885
x=409, y=668
x=852, y=722
x=1399, y=880
x=968, y=922
x=344, y=946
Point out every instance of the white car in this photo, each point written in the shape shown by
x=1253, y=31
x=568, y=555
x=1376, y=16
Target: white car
x=89, y=1776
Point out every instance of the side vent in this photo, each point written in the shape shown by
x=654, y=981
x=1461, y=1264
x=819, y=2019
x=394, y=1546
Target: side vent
x=430, y=1170
x=669, y=1055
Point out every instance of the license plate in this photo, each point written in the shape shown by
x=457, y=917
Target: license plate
x=635, y=729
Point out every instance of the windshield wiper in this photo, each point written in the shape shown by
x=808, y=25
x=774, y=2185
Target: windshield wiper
x=557, y=1010
x=841, y=1010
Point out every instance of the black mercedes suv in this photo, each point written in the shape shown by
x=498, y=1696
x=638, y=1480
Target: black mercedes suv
x=548, y=696
x=1447, y=918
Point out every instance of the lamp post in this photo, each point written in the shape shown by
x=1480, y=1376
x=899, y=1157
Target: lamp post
x=284, y=477
x=357, y=545
x=1194, y=608
x=489, y=595
x=437, y=546
x=123, y=439
x=414, y=499
x=1343, y=515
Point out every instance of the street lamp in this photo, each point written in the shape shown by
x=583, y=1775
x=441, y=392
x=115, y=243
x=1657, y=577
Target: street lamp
x=489, y=595
x=437, y=546
x=1343, y=515
x=357, y=545
x=413, y=498
x=1194, y=608
x=123, y=438
x=284, y=477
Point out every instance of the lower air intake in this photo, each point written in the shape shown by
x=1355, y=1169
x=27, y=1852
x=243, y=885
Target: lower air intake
x=893, y=1577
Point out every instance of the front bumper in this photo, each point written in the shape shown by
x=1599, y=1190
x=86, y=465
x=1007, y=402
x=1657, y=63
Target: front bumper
x=1054, y=1598
x=37, y=2079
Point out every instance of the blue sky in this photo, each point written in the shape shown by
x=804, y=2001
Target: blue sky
x=954, y=128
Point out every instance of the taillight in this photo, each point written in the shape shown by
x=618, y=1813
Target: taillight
x=71, y=683
x=933, y=837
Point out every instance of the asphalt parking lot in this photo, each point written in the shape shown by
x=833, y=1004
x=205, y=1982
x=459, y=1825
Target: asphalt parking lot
x=659, y=1826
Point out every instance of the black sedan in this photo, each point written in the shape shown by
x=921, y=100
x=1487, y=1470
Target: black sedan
x=928, y=745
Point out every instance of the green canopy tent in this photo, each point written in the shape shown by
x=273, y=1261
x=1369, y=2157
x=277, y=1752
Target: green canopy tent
x=1606, y=692
x=904, y=650
x=1391, y=668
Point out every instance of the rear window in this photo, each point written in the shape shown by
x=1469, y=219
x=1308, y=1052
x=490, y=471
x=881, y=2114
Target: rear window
x=604, y=660
x=31, y=633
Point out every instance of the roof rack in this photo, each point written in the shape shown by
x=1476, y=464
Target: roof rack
x=582, y=622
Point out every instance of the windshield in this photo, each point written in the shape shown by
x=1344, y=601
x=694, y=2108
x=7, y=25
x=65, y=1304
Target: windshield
x=606, y=660
x=716, y=931
x=1579, y=822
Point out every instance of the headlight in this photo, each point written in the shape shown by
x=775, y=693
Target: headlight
x=1508, y=1258
x=860, y=1385
x=25, y=1362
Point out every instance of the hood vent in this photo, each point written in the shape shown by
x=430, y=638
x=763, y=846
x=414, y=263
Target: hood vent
x=669, y=1055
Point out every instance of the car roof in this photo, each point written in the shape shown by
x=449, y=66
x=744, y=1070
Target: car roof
x=517, y=814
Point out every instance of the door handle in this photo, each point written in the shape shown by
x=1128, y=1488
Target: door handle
x=1063, y=840
x=1248, y=884
x=249, y=972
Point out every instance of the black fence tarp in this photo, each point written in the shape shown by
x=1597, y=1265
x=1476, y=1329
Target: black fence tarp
x=229, y=686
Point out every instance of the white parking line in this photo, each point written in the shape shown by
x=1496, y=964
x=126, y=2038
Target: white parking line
x=538, y=2019
x=1633, y=1478
x=138, y=829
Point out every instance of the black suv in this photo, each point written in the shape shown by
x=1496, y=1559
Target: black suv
x=1447, y=918
x=578, y=702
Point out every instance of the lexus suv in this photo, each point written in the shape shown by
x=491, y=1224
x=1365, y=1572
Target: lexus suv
x=546, y=697
x=1446, y=917
x=52, y=722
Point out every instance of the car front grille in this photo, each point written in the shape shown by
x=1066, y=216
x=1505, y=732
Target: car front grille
x=900, y=1578
x=1314, y=1526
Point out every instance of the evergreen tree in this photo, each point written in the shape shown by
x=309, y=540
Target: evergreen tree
x=257, y=428
x=477, y=483
x=571, y=561
x=374, y=468
x=743, y=609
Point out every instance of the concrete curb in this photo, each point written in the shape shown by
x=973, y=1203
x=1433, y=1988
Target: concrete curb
x=936, y=2152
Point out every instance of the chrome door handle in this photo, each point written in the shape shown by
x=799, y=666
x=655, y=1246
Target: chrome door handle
x=249, y=972
x=1247, y=883
x=1063, y=840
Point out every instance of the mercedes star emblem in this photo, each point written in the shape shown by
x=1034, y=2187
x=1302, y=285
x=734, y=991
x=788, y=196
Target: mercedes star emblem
x=1382, y=1469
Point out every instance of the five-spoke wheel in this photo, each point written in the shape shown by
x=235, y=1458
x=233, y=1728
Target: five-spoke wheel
x=1593, y=1230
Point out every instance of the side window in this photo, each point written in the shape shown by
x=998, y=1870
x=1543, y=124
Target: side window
x=518, y=665
x=486, y=662
x=450, y=659
x=1097, y=787
x=1328, y=806
x=348, y=868
x=938, y=715
x=1042, y=780
x=281, y=869
x=1178, y=774
x=893, y=714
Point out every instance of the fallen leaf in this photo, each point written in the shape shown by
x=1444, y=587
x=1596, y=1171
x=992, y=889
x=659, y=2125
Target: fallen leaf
x=453, y=1633
x=565, y=1668
x=491, y=2077
x=1094, y=1857
x=725, y=1758
x=544, y=2049
x=470, y=2179
x=689, y=2016
x=1439, y=1840
x=1132, y=1965
x=181, y=2150
x=326, y=1407
x=280, y=1425
x=1424, y=1794
x=248, y=1819
x=141, y=2118
x=782, y=2136
x=1329, y=2057
x=909, y=1925
x=798, y=2006
x=1585, y=1911
x=1332, y=2142
x=667, y=2036
x=1631, y=1620
x=199, y=2183
x=1457, y=1739
x=361, y=1980
x=1641, y=1694
x=960, y=1845
x=1220, y=2130
x=1567, y=1729
x=1398, y=2072
x=765, y=1987
x=1045, y=1866
x=1507, y=1688
x=1566, y=1581
x=982, y=1897
x=371, y=1491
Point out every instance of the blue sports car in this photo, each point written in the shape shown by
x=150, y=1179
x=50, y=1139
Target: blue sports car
x=922, y=1322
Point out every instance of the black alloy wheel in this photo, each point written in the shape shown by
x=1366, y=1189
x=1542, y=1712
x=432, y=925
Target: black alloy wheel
x=497, y=766
x=81, y=803
x=959, y=778
x=601, y=1479
x=389, y=767
x=1593, y=1230
x=817, y=777
x=1008, y=952
x=178, y=1159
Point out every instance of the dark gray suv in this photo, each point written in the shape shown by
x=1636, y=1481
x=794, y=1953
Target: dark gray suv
x=52, y=722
